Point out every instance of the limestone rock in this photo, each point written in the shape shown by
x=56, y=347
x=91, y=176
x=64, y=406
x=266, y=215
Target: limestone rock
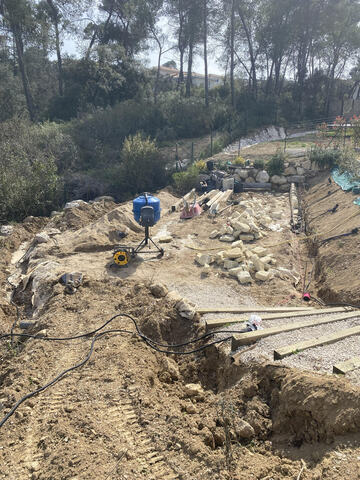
x=159, y=290
x=247, y=237
x=262, y=276
x=238, y=244
x=306, y=165
x=290, y=171
x=174, y=296
x=203, y=259
x=227, y=238
x=250, y=180
x=74, y=204
x=233, y=253
x=276, y=215
x=244, y=430
x=234, y=272
x=258, y=264
x=166, y=239
x=241, y=227
x=41, y=238
x=243, y=173
x=262, y=177
x=260, y=251
x=244, y=277
x=193, y=390
x=185, y=310
x=278, y=180
x=6, y=230
x=300, y=170
x=229, y=264
x=213, y=234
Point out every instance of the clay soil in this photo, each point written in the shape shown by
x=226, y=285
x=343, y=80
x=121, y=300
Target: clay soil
x=126, y=414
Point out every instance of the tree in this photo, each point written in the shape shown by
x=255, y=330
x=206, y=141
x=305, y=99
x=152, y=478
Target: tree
x=18, y=18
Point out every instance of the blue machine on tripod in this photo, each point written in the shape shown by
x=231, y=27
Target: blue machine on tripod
x=146, y=209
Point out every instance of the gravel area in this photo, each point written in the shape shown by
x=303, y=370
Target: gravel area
x=319, y=359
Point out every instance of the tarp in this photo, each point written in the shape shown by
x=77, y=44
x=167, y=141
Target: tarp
x=346, y=181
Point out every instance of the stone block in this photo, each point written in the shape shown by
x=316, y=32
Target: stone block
x=203, y=259
x=262, y=276
x=234, y=253
x=278, y=179
x=227, y=238
x=290, y=171
x=244, y=277
x=214, y=234
x=247, y=237
x=262, y=177
x=260, y=251
x=230, y=264
x=296, y=179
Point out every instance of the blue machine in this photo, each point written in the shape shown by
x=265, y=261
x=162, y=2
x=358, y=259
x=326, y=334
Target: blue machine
x=146, y=209
x=146, y=200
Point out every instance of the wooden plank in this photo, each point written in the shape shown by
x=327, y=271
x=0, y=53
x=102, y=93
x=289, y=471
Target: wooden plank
x=218, y=322
x=180, y=202
x=244, y=309
x=251, y=337
x=315, y=342
x=347, y=366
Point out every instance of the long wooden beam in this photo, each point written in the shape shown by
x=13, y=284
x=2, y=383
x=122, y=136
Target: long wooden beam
x=317, y=342
x=251, y=337
x=347, y=366
x=218, y=322
x=246, y=309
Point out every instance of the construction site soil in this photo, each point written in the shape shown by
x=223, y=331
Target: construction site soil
x=132, y=412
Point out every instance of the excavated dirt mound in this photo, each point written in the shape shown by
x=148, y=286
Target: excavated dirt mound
x=336, y=276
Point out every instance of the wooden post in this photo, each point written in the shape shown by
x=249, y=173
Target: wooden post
x=192, y=152
x=239, y=146
x=285, y=140
x=211, y=143
x=345, y=134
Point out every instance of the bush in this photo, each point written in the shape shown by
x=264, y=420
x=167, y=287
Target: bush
x=324, y=158
x=185, y=181
x=259, y=164
x=201, y=166
x=239, y=161
x=29, y=184
x=276, y=165
x=142, y=168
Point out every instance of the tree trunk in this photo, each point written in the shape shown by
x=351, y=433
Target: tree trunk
x=25, y=80
x=156, y=87
x=232, y=48
x=55, y=18
x=251, y=52
x=189, y=72
x=205, y=56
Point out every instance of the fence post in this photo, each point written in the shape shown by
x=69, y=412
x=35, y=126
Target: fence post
x=345, y=133
x=239, y=147
x=192, y=152
x=285, y=144
x=211, y=143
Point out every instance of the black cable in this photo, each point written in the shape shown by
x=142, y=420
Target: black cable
x=58, y=377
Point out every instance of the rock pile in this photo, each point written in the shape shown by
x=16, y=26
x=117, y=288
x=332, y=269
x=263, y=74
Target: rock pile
x=243, y=259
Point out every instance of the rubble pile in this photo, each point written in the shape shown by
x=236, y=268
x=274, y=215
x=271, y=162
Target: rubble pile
x=243, y=258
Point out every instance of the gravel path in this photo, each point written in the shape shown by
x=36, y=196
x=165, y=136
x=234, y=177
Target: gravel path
x=319, y=359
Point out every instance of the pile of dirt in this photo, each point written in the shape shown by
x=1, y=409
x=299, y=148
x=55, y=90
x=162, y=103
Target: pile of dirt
x=335, y=278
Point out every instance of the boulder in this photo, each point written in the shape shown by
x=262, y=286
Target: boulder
x=241, y=227
x=230, y=264
x=278, y=179
x=306, y=164
x=193, y=390
x=244, y=430
x=234, y=272
x=262, y=177
x=262, y=276
x=247, y=237
x=74, y=204
x=284, y=188
x=6, y=230
x=290, y=171
x=203, y=259
x=250, y=180
x=296, y=179
x=260, y=251
x=227, y=238
x=233, y=253
x=238, y=244
x=165, y=239
x=243, y=173
x=300, y=170
x=244, y=277
x=185, y=310
x=159, y=290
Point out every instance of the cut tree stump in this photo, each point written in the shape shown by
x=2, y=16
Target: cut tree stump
x=317, y=342
x=251, y=337
x=347, y=366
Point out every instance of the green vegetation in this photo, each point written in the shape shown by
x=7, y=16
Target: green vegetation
x=276, y=164
x=185, y=181
x=73, y=119
x=259, y=164
x=324, y=157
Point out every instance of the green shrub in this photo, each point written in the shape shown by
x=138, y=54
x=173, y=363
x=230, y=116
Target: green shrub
x=323, y=157
x=276, y=165
x=185, y=181
x=259, y=164
x=142, y=168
